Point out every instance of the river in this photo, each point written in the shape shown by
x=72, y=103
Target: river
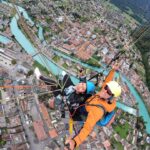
x=4, y=39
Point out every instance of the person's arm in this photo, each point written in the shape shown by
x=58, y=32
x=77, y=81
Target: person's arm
x=94, y=115
x=109, y=77
x=67, y=81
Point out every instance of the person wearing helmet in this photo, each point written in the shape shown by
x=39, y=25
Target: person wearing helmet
x=87, y=87
x=114, y=88
x=111, y=90
x=75, y=95
x=96, y=106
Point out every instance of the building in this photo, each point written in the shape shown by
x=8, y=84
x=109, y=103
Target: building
x=4, y=59
x=53, y=133
x=18, y=138
x=14, y=121
x=4, y=8
x=45, y=115
x=107, y=145
x=39, y=130
x=2, y=117
x=22, y=69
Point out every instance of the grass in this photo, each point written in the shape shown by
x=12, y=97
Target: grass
x=65, y=65
x=2, y=142
x=97, y=30
x=98, y=58
x=116, y=145
x=128, y=18
x=56, y=58
x=92, y=62
x=122, y=130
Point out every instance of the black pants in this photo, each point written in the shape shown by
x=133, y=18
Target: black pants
x=59, y=104
x=58, y=87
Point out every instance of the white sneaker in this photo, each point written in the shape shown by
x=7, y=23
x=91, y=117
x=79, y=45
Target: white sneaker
x=63, y=73
x=37, y=73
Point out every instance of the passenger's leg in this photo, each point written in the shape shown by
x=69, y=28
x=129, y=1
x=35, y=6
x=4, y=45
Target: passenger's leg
x=80, y=114
x=54, y=86
x=67, y=81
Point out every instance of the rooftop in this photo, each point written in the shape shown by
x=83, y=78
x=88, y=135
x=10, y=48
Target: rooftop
x=53, y=133
x=39, y=130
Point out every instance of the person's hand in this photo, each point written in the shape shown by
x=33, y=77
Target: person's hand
x=69, y=144
x=116, y=66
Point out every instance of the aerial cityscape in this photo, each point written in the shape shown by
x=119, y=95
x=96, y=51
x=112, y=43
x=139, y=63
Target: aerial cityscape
x=81, y=38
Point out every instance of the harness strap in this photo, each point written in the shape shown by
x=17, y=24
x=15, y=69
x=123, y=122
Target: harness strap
x=99, y=106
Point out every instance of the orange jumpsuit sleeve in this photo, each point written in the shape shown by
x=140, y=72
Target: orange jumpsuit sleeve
x=109, y=77
x=94, y=114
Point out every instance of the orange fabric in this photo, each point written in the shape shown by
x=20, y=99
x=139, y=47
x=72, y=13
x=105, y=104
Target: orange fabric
x=109, y=77
x=94, y=113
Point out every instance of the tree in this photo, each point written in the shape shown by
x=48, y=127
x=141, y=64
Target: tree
x=13, y=62
x=2, y=142
x=93, y=62
x=0, y=95
x=30, y=73
x=142, y=35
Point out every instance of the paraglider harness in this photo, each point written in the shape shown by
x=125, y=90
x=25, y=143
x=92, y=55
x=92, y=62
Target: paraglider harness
x=107, y=116
x=73, y=101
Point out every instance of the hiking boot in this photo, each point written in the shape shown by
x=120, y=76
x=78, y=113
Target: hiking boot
x=63, y=73
x=61, y=76
x=37, y=73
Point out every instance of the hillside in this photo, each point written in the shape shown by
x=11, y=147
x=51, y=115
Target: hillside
x=139, y=9
x=143, y=45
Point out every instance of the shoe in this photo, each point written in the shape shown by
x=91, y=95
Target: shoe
x=37, y=73
x=63, y=73
x=61, y=76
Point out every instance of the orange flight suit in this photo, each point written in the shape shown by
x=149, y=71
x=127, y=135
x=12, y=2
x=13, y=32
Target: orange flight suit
x=94, y=112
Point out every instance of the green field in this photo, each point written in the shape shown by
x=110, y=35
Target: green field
x=116, y=145
x=122, y=130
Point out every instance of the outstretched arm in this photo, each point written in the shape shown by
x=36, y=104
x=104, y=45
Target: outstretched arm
x=109, y=77
x=94, y=115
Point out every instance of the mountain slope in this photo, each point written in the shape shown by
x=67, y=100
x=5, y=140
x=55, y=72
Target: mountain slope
x=139, y=9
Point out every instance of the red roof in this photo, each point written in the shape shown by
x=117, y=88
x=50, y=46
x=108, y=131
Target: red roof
x=45, y=114
x=39, y=130
x=86, y=50
x=53, y=133
x=66, y=46
x=75, y=42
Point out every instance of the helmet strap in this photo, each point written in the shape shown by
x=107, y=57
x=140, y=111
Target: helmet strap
x=110, y=98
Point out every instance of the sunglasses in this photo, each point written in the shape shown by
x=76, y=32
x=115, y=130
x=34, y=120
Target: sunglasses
x=108, y=90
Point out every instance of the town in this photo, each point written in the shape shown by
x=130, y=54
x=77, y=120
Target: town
x=92, y=34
